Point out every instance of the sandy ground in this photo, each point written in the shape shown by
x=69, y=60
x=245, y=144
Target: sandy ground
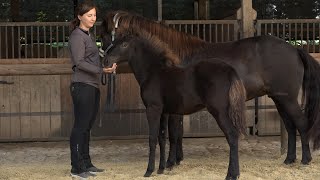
x=205, y=158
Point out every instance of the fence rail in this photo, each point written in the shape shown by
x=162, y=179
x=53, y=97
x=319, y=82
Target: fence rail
x=298, y=32
x=214, y=31
x=48, y=40
x=25, y=40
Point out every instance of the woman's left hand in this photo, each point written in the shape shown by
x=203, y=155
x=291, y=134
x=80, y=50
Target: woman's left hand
x=110, y=70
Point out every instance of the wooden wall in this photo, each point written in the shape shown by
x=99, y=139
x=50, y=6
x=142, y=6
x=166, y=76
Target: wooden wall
x=30, y=107
x=39, y=107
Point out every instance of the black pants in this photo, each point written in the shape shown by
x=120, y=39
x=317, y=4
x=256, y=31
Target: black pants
x=85, y=106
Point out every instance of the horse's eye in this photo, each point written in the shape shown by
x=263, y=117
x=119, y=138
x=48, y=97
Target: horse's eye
x=124, y=45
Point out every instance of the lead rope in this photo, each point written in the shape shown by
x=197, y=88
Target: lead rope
x=110, y=99
x=103, y=82
x=110, y=94
x=110, y=89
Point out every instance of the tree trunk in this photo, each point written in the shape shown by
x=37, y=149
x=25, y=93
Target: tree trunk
x=15, y=10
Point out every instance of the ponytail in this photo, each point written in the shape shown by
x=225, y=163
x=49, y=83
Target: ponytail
x=73, y=24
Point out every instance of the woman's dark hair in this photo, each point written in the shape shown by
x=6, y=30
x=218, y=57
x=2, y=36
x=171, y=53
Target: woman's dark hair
x=81, y=9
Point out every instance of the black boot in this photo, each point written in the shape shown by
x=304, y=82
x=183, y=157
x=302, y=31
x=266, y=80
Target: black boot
x=86, y=156
x=77, y=162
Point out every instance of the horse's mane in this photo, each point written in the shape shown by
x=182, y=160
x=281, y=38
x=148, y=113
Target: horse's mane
x=159, y=48
x=181, y=44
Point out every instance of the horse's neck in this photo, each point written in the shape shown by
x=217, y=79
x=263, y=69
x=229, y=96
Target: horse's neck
x=145, y=62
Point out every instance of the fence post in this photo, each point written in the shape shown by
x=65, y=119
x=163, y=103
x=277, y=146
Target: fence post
x=201, y=9
x=247, y=15
x=159, y=10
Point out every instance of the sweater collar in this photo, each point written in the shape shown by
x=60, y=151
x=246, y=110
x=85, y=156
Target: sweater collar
x=86, y=32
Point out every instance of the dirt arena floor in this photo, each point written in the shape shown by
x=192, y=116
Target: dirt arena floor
x=205, y=158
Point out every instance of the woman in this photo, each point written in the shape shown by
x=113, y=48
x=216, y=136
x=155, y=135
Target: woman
x=84, y=88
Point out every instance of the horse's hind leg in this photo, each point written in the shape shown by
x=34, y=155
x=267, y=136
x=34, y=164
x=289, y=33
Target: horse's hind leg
x=293, y=119
x=219, y=111
x=291, y=130
x=232, y=137
x=162, y=142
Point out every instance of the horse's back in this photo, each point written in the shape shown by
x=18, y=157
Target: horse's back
x=266, y=64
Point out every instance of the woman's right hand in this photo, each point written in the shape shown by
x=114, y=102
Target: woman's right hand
x=110, y=70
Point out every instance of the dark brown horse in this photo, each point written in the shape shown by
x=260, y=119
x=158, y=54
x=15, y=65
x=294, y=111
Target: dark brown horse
x=266, y=65
x=166, y=88
x=172, y=122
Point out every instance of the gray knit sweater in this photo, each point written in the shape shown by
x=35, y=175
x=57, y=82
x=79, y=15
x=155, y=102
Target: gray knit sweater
x=85, y=58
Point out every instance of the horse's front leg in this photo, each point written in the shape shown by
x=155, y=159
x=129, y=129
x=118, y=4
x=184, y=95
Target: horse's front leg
x=179, y=140
x=153, y=116
x=173, y=126
x=162, y=142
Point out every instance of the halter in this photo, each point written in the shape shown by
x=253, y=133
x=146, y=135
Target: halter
x=102, y=52
x=116, y=19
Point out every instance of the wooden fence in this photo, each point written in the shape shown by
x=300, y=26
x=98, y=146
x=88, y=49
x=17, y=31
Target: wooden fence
x=35, y=70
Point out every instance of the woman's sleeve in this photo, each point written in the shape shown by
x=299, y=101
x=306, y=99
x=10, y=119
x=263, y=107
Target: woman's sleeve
x=77, y=49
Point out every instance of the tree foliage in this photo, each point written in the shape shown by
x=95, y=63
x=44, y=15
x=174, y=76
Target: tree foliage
x=220, y=9
x=178, y=9
x=5, y=10
x=281, y=9
x=62, y=10
x=48, y=10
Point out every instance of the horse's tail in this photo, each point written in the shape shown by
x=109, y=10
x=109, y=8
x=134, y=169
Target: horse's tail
x=237, y=106
x=311, y=95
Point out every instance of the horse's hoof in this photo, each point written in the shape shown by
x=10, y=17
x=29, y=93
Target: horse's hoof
x=289, y=161
x=160, y=171
x=232, y=178
x=179, y=161
x=306, y=161
x=169, y=166
x=148, y=174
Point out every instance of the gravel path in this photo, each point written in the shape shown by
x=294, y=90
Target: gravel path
x=205, y=158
